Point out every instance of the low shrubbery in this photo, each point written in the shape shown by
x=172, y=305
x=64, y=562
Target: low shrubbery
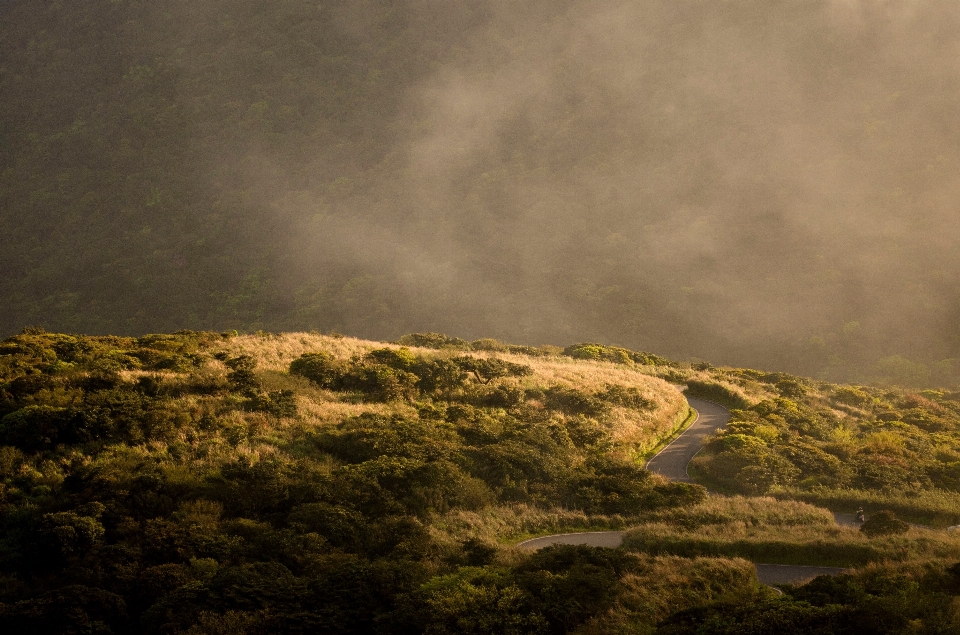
x=937, y=507
x=171, y=483
x=786, y=532
x=615, y=354
x=187, y=484
x=719, y=392
x=878, y=599
x=884, y=523
x=890, y=442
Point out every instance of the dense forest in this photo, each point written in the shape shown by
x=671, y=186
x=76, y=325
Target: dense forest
x=216, y=483
x=755, y=183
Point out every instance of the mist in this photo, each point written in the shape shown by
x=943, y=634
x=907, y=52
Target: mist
x=755, y=183
x=716, y=180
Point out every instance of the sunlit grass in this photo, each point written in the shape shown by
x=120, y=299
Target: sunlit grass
x=937, y=508
x=784, y=532
x=635, y=429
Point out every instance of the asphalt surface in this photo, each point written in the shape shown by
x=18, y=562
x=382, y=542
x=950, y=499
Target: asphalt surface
x=673, y=460
x=768, y=574
x=672, y=463
x=771, y=574
x=610, y=539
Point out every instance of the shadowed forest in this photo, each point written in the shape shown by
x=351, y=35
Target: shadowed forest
x=754, y=183
x=218, y=484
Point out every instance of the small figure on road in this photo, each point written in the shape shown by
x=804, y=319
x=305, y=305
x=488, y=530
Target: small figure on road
x=860, y=517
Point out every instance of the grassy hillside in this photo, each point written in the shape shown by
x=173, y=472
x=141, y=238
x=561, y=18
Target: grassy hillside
x=145, y=479
x=218, y=483
x=837, y=445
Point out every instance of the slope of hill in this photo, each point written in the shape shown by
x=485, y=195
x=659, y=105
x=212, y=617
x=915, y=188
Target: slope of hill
x=216, y=483
x=144, y=479
x=838, y=445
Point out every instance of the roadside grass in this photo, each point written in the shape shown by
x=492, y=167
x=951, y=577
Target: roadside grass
x=644, y=455
x=659, y=586
x=936, y=508
x=721, y=392
x=510, y=524
x=778, y=532
x=760, y=511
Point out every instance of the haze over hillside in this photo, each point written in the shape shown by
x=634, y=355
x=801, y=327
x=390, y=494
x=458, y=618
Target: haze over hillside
x=752, y=182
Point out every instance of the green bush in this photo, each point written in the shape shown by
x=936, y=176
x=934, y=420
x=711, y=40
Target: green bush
x=851, y=396
x=434, y=340
x=279, y=403
x=320, y=368
x=573, y=401
x=615, y=354
x=884, y=523
x=487, y=369
x=720, y=393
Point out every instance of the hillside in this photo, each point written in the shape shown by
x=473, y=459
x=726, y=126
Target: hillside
x=755, y=184
x=201, y=482
x=836, y=445
x=136, y=469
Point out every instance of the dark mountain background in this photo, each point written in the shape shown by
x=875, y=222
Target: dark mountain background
x=772, y=184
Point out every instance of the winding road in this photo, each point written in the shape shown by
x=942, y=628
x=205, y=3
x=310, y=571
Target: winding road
x=673, y=460
x=672, y=463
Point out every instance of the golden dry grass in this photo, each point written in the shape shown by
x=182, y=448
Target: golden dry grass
x=664, y=584
x=517, y=522
x=767, y=530
x=764, y=511
x=628, y=428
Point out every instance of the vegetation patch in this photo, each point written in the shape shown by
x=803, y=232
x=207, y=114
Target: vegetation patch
x=783, y=532
x=202, y=482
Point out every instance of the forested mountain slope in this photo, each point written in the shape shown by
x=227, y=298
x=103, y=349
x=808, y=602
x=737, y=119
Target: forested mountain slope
x=756, y=183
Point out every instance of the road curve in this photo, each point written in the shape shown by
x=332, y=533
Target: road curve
x=610, y=539
x=672, y=461
x=771, y=574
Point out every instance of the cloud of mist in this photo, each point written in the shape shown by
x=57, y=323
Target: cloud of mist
x=752, y=182
x=745, y=173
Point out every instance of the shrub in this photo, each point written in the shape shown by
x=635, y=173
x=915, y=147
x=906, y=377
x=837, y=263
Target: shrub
x=884, y=523
x=279, y=403
x=439, y=374
x=791, y=388
x=626, y=397
x=380, y=383
x=40, y=427
x=488, y=344
x=599, y=352
x=852, y=397
x=615, y=354
x=723, y=394
x=434, y=340
x=320, y=368
x=486, y=370
x=399, y=359
x=241, y=374
x=573, y=401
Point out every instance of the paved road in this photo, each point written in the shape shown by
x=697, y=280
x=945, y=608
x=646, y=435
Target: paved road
x=672, y=463
x=673, y=459
x=768, y=574
x=611, y=539
x=791, y=574
x=847, y=520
